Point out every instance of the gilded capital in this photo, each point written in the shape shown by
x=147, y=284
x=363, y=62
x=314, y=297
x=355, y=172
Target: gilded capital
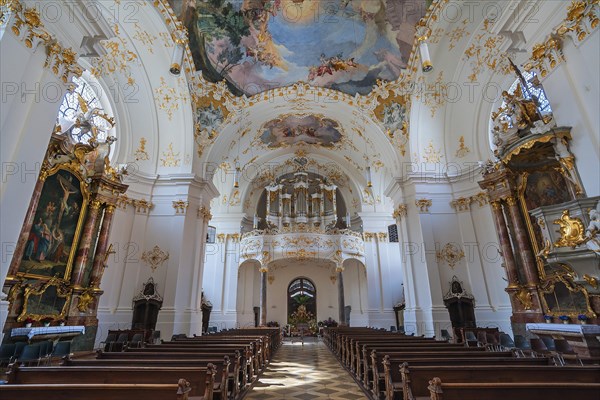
x=496, y=205
x=95, y=204
x=511, y=201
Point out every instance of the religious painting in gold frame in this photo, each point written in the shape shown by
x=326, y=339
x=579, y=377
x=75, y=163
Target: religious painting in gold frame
x=48, y=299
x=58, y=219
x=541, y=188
x=561, y=296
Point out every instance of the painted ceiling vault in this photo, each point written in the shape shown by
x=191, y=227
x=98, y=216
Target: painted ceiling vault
x=258, y=45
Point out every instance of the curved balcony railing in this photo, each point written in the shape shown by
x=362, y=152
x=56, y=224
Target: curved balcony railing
x=270, y=245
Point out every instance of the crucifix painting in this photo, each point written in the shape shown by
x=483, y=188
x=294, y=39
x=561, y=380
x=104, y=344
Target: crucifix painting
x=49, y=246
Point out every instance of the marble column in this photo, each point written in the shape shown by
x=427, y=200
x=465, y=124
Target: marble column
x=334, y=201
x=523, y=244
x=341, y=302
x=102, y=246
x=507, y=251
x=27, y=224
x=85, y=244
x=263, y=297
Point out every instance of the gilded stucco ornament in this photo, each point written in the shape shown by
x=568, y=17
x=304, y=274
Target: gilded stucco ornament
x=85, y=299
x=28, y=26
x=583, y=18
x=142, y=205
x=461, y=204
x=591, y=280
x=170, y=158
x=451, y=254
x=524, y=297
x=34, y=294
x=571, y=230
x=400, y=211
x=423, y=205
x=155, y=257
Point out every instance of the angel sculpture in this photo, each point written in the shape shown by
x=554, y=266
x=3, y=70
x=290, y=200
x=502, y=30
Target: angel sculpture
x=592, y=232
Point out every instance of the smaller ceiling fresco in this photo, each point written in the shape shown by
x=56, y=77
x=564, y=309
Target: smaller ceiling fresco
x=257, y=45
x=292, y=129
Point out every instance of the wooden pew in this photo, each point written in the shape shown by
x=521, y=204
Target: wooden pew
x=237, y=380
x=375, y=383
x=248, y=367
x=244, y=369
x=512, y=390
x=258, y=357
x=362, y=350
x=376, y=356
x=197, y=377
x=98, y=391
x=414, y=379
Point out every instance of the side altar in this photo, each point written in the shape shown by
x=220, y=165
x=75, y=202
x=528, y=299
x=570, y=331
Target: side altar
x=583, y=338
x=60, y=257
x=55, y=333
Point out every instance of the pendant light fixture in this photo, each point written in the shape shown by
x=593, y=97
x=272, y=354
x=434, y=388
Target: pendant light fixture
x=423, y=33
x=180, y=38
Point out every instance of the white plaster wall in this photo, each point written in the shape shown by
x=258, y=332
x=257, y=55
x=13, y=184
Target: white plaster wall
x=572, y=89
x=179, y=278
x=248, y=294
x=355, y=293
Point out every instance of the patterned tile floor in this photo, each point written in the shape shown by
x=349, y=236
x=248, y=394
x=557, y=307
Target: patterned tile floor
x=305, y=372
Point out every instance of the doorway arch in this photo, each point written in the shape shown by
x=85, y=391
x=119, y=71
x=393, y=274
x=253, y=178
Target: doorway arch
x=302, y=291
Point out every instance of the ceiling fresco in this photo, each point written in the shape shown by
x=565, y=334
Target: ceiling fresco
x=293, y=129
x=257, y=45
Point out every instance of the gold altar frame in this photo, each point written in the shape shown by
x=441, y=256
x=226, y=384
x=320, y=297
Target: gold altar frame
x=85, y=192
x=62, y=291
x=547, y=287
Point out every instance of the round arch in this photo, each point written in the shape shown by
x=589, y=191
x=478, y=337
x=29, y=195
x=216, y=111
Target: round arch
x=302, y=291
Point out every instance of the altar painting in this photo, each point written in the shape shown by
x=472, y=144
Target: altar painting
x=52, y=240
x=544, y=188
x=257, y=45
x=292, y=129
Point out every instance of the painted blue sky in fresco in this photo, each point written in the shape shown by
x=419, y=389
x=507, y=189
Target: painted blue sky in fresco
x=344, y=45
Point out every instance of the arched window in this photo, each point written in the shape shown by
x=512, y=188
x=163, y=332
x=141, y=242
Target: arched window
x=302, y=292
x=82, y=101
x=525, y=94
x=532, y=90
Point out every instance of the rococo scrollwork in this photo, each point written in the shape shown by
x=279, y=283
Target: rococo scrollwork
x=571, y=231
x=46, y=299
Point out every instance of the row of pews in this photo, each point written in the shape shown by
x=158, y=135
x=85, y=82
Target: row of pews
x=392, y=366
x=220, y=366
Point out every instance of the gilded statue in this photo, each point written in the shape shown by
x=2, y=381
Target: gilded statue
x=522, y=112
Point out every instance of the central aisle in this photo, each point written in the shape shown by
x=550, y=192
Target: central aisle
x=305, y=372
